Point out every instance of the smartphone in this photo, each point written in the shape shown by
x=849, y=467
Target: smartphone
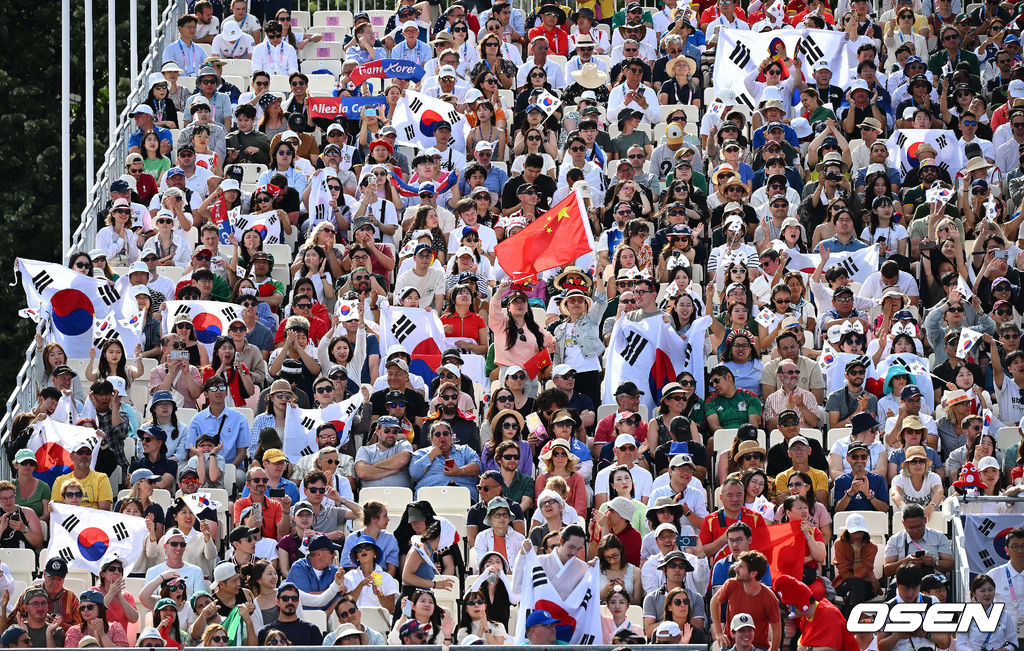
x=371, y=113
x=407, y=608
x=928, y=246
x=1000, y=254
x=686, y=541
x=237, y=356
x=919, y=554
x=275, y=492
x=257, y=509
x=179, y=354
x=449, y=463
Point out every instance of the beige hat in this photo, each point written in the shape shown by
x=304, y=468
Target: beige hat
x=590, y=76
x=748, y=447
x=279, y=386
x=623, y=506
x=500, y=416
x=916, y=452
x=913, y=422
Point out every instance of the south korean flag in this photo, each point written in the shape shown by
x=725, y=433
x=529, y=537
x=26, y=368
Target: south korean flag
x=87, y=539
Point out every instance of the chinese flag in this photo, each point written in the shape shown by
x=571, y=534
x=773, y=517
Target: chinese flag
x=554, y=239
x=537, y=363
x=784, y=546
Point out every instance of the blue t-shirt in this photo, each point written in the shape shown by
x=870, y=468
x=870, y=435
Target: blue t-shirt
x=860, y=502
x=386, y=541
x=135, y=140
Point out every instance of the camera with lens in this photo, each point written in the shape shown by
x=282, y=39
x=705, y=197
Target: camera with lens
x=833, y=176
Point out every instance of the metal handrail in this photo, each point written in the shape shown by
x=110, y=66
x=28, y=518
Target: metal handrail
x=84, y=237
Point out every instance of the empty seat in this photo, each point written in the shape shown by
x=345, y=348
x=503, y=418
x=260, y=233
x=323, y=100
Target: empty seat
x=446, y=498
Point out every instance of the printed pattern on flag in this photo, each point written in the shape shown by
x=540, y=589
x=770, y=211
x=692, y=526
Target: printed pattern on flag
x=71, y=300
x=320, y=197
x=53, y=442
x=416, y=114
x=859, y=264
x=904, y=143
x=267, y=224
x=300, y=425
x=421, y=333
x=199, y=501
x=86, y=538
x=985, y=539
x=209, y=318
x=127, y=331
x=692, y=360
x=578, y=615
x=645, y=353
x=741, y=51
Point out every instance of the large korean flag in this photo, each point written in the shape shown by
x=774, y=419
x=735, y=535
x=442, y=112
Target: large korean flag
x=578, y=615
x=859, y=264
x=646, y=353
x=267, y=224
x=87, y=538
x=421, y=333
x=904, y=143
x=415, y=117
x=70, y=299
x=740, y=51
x=209, y=318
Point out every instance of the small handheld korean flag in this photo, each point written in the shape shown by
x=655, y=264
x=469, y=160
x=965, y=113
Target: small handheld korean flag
x=963, y=288
x=199, y=502
x=87, y=538
x=968, y=338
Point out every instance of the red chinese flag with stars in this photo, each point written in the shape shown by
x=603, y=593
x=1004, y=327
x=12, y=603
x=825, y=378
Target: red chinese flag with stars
x=784, y=546
x=554, y=239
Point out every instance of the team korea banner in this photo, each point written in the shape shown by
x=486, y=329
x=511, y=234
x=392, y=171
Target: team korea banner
x=859, y=264
x=53, y=442
x=74, y=301
x=209, y=318
x=87, y=538
x=386, y=69
x=739, y=52
x=578, y=615
x=416, y=114
x=985, y=539
x=646, y=353
x=904, y=143
x=419, y=331
x=300, y=425
x=267, y=224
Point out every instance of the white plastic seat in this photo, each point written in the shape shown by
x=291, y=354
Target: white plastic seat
x=446, y=498
x=323, y=50
x=394, y=497
x=876, y=522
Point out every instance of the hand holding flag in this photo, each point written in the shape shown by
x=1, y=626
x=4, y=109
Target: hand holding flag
x=554, y=239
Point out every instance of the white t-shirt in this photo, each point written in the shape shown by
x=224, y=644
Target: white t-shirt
x=388, y=586
x=240, y=49
x=488, y=240
x=1011, y=400
x=892, y=236
x=642, y=481
x=920, y=497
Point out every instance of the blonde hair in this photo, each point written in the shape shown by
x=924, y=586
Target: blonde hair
x=70, y=484
x=210, y=631
x=558, y=485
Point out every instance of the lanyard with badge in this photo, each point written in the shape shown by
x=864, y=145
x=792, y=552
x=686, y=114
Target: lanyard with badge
x=270, y=55
x=188, y=66
x=1013, y=599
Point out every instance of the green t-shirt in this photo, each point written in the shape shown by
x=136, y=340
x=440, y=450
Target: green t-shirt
x=735, y=411
x=623, y=142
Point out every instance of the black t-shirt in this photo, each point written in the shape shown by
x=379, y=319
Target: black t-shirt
x=545, y=188
x=665, y=452
x=299, y=633
x=416, y=406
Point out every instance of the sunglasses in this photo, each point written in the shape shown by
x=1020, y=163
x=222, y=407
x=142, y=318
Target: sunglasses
x=73, y=494
x=510, y=457
x=178, y=544
x=789, y=422
x=955, y=309
x=220, y=638
x=316, y=490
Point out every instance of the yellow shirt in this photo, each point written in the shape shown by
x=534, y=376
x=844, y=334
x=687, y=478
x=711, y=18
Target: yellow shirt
x=818, y=479
x=96, y=487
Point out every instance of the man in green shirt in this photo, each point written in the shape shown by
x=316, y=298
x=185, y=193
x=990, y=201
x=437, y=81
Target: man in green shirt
x=729, y=406
x=951, y=54
x=246, y=144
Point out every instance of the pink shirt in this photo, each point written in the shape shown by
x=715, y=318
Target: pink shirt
x=521, y=351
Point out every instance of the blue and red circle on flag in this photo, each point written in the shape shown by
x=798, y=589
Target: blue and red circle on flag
x=427, y=121
x=72, y=312
x=208, y=327
x=426, y=359
x=261, y=229
x=93, y=543
x=52, y=461
x=999, y=544
x=566, y=625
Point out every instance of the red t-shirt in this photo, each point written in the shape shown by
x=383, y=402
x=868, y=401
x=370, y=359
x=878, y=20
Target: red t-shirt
x=272, y=513
x=763, y=607
x=605, y=431
x=317, y=328
x=632, y=541
x=558, y=40
x=234, y=385
x=715, y=524
x=465, y=327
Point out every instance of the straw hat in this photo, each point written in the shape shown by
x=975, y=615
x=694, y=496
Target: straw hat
x=590, y=76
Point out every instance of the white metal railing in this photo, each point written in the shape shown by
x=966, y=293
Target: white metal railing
x=24, y=394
